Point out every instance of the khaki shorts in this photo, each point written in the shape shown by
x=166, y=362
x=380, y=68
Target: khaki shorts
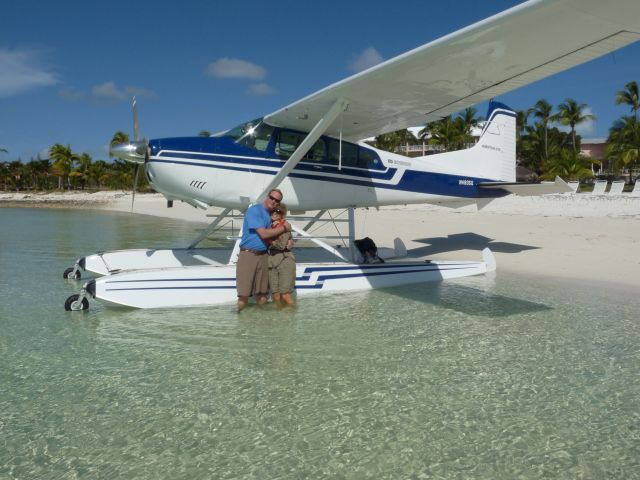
x=252, y=274
x=282, y=272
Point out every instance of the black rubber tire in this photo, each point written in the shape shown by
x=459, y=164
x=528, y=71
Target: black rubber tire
x=74, y=298
x=68, y=271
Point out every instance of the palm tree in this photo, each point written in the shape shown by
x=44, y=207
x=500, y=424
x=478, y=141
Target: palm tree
x=522, y=119
x=406, y=138
x=630, y=97
x=39, y=171
x=469, y=119
x=543, y=111
x=568, y=165
x=63, y=160
x=389, y=141
x=623, y=146
x=532, y=149
x=448, y=133
x=82, y=171
x=118, y=138
x=18, y=174
x=4, y=172
x=570, y=113
x=98, y=172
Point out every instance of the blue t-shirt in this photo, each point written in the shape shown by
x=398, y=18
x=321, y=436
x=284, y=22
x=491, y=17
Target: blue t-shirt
x=257, y=216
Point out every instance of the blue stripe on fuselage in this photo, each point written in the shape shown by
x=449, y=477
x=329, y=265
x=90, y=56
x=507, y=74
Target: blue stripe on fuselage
x=268, y=162
x=411, y=180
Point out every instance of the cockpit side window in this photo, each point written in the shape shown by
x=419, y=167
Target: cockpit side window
x=256, y=137
x=240, y=130
x=287, y=143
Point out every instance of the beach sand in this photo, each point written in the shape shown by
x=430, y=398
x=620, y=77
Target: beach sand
x=581, y=237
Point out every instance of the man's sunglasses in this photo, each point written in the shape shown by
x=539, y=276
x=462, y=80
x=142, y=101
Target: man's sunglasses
x=277, y=200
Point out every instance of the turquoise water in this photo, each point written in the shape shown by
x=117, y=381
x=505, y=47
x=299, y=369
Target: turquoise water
x=491, y=377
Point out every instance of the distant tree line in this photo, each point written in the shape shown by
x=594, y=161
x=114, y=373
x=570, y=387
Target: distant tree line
x=66, y=169
x=541, y=147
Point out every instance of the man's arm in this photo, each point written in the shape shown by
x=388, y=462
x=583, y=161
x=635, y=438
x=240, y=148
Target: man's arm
x=266, y=233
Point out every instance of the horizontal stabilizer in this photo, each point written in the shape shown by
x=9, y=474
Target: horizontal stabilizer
x=529, y=189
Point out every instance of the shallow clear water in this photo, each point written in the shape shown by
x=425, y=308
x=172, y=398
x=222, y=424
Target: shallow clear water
x=488, y=377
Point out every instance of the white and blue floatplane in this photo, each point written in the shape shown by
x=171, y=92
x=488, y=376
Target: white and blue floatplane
x=311, y=151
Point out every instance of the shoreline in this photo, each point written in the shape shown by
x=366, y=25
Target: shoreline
x=581, y=237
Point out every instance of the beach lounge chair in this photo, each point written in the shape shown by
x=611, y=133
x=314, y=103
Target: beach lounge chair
x=574, y=186
x=616, y=187
x=636, y=189
x=599, y=187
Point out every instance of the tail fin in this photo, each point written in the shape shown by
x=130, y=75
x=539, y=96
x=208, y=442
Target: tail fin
x=496, y=148
x=492, y=158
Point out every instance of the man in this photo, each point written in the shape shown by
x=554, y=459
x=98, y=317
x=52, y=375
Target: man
x=252, y=269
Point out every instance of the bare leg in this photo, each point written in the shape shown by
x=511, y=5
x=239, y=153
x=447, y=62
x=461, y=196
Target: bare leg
x=287, y=298
x=242, y=302
x=261, y=299
x=275, y=298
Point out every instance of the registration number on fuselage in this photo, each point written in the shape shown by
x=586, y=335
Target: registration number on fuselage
x=468, y=183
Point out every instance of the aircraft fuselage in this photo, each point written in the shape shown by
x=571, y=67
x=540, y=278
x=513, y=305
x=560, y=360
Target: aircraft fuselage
x=228, y=172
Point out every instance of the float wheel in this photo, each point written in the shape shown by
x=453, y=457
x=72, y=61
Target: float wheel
x=72, y=304
x=67, y=274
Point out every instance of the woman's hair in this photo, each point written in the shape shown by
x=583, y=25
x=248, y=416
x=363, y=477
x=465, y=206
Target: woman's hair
x=282, y=209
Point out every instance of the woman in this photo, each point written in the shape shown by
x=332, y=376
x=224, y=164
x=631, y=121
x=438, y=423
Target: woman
x=282, y=262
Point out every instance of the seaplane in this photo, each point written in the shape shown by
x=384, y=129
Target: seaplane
x=312, y=150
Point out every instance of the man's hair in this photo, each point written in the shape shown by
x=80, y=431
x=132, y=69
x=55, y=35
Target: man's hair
x=276, y=190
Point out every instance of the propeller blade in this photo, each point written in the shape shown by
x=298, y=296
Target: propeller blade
x=136, y=125
x=135, y=151
x=135, y=184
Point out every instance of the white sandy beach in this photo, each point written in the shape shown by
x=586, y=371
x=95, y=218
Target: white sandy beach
x=579, y=237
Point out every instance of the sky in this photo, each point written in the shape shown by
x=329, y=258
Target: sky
x=68, y=69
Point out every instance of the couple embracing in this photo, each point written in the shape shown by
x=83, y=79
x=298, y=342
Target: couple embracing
x=265, y=258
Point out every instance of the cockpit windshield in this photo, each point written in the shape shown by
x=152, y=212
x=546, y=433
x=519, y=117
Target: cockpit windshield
x=254, y=134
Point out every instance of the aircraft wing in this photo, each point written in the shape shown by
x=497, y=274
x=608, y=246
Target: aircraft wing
x=514, y=48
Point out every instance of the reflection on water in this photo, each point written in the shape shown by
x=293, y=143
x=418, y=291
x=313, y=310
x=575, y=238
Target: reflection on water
x=485, y=377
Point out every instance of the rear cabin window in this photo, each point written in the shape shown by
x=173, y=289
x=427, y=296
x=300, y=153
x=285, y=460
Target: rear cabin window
x=349, y=153
x=366, y=158
x=326, y=151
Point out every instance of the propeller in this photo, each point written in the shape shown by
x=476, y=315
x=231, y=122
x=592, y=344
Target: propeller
x=135, y=152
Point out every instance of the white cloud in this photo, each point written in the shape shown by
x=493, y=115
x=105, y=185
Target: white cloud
x=109, y=90
x=368, y=58
x=20, y=72
x=260, y=89
x=235, y=68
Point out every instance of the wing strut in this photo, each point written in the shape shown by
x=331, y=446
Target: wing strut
x=323, y=124
x=210, y=228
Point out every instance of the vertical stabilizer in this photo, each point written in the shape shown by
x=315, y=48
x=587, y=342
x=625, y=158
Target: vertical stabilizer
x=492, y=158
x=496, y=148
